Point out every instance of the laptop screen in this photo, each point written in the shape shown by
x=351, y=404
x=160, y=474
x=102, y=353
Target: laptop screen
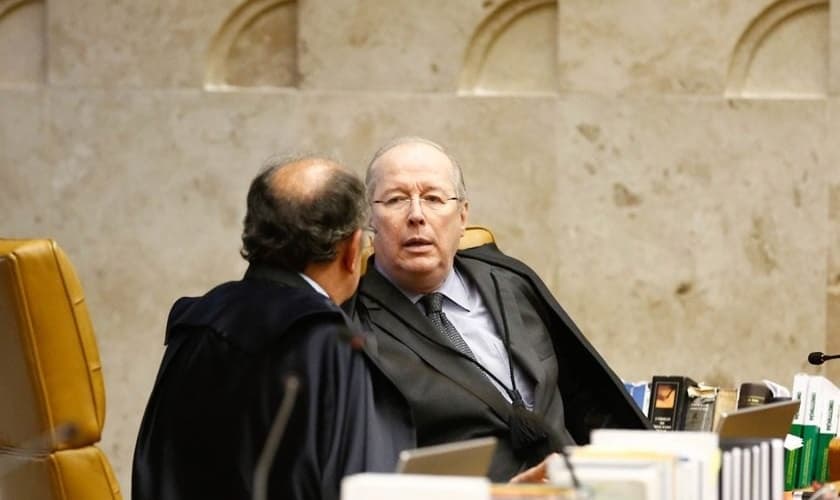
x=770, y=420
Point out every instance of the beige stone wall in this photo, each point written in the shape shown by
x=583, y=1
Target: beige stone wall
x=669, y=168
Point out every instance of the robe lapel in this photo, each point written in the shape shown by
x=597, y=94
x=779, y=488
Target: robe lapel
x=393, y=313
x=500, y=299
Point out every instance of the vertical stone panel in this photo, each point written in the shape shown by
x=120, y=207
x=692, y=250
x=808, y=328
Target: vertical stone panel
x=832, y=333
x=22, y=41
x=23, y=188
x=514, y=50
x=398, y=45
x=694, y=233
x=649, y=46
x=157, y=44
x=255, y=47
x=834, y=49
x=783, y=53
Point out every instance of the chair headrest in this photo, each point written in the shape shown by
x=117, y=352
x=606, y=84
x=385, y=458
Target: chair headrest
x=50, y=373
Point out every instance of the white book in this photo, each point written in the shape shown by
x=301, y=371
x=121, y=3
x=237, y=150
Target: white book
x=726, y=476
x=737, y=474
x=698, y=467
x=815, y=397
x=777, y=469
x=765, y=479
x=800, y=390
x=755, y=487
x=831, y=413
x=746, y=473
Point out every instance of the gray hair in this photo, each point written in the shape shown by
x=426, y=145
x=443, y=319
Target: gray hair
x=457, y=173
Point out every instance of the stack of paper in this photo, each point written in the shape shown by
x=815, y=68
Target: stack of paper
x=371, y=486
x=696, y=457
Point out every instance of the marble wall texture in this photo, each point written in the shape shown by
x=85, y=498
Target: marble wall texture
x=669, y=168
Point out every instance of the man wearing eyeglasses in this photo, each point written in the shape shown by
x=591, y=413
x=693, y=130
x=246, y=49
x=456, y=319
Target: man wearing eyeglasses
x=473, y=339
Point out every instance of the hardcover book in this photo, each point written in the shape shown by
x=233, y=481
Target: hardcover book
x=727, y=399
x=640, y=392
x=761, y=469
x=815, y=395
x=701, y=408
x=830, y=417
x=792, y=456
x=752, y=394
x=669, y=402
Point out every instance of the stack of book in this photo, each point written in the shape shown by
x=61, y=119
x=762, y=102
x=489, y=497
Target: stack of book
x=645, y=465
x=677, y=403
x=813, y=428
x=752, y=469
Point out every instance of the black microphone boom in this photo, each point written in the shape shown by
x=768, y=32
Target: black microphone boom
x=818, y=358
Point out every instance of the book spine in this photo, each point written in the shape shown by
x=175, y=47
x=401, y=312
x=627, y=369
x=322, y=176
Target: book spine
x=725, y=403
x=792, y=457
x=777, y=482
x=753, y=394
x=828, y=429
x=700, y=413
x=668, y=402
x=810, y=431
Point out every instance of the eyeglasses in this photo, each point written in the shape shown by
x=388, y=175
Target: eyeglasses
x=400, y=203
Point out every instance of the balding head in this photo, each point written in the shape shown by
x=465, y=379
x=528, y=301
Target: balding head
x=298, y=212
x=301, y=179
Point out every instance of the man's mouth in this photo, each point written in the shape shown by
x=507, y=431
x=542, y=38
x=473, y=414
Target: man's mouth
x=416, y=242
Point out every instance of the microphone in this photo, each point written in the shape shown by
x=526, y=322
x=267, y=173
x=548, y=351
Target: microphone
x=818, y=358
x=291, y=385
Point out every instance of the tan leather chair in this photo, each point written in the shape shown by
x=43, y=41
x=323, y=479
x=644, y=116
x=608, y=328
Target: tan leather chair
x=50, y=376
x=474, y=236
x=834, y=459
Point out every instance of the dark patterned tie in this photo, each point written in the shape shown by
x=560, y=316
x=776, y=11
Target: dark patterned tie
x=433, y=304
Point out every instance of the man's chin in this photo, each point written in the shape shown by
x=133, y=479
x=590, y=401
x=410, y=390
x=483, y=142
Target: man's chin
x=420, y=264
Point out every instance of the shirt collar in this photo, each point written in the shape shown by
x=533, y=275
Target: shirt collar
x=314, y=284
x=453, y=288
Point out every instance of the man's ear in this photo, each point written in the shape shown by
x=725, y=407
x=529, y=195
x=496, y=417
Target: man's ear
x=352, y=251
x=465, y=210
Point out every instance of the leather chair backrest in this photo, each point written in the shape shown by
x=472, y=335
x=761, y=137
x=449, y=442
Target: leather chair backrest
x=474, y=236
x=50, y=377
x=834, y=459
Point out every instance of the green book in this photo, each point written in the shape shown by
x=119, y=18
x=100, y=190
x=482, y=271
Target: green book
x=815, y=396
x=828, y=430
x=800, y=387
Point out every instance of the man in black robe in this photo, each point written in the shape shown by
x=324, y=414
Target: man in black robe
x=234, y=356
x=473, y=339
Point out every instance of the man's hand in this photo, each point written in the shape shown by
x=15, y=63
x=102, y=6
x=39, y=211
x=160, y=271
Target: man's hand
x=536, y=474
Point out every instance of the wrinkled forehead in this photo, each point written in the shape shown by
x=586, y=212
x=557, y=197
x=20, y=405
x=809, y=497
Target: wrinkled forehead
x=411, y=167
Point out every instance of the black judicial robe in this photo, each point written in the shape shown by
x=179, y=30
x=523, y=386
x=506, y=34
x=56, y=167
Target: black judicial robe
x=221, y=382
x=451, y=399
x=594, y=395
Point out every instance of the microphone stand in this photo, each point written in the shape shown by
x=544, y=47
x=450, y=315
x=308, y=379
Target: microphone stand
x=291, y=385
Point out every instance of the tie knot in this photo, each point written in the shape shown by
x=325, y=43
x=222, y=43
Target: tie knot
x=433, y=302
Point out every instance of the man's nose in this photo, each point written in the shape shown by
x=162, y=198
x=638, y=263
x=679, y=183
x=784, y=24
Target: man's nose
x=415, y=211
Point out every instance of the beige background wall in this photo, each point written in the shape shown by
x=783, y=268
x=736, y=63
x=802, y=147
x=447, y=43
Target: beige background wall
x=669, y=168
